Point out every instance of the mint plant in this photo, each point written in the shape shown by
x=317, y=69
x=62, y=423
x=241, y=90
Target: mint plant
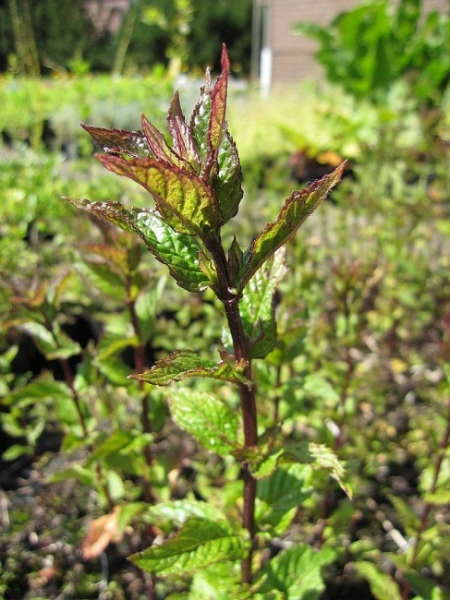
x=196, y=185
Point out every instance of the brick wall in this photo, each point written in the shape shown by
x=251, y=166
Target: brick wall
x=292, y=56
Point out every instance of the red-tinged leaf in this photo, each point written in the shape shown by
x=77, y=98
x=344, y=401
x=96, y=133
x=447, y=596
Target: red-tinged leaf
x=186, y=363
x=159, y=147
x=101, y=533
x=295, y=211
x=120, y=141
x=101, y=276
x=219, y=102
x=199, y=123
x=279, y=496
x=178, y=251
x=183, y=144
x=320, y=457
x=228, y=182
x=186, y=203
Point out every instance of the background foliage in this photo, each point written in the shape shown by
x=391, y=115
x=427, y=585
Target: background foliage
x=148, y=34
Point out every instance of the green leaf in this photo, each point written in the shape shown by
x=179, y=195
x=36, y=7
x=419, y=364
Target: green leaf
x=199, y=543
x=296, y=209
x=297, y=572
x=84, y=476
x=138, y=442
x=439, y=498
x=123, y=451
x=219, y=103
x=115, y=256
x=53, y=344
x=257, y=305
x=114, y=369
x=199, y=124
x=39, y=391
x=113, y=343
x=318, y=387
x=220, y=581
x=382, y=586
x=177, y=512
x=185, y=202
x=186, y=363
x=160, y=149
x=113, y=443
x=228, y=183
x=205, y=417
x=145, y=307
x=71, y=442
x=178, y=251
x=128, y=511
x=266, y=466
x=427, y=589
x=216, y=150
x=16, y=451
x=279, y=496
x=318, y=456
x=116, y=487
x=235, y=261
x=100, y=276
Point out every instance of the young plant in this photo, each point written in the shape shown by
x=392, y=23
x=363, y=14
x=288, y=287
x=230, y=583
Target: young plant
x=196, y=185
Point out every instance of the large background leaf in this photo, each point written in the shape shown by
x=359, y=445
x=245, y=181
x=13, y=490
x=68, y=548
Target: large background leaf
x=207, y=418
x=199, y=543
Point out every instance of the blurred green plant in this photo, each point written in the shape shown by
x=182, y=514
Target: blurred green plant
x=177, y=28
x=370, y=47
x=42, y=113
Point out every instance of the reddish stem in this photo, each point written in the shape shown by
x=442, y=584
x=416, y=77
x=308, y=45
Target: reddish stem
x=247, y=395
